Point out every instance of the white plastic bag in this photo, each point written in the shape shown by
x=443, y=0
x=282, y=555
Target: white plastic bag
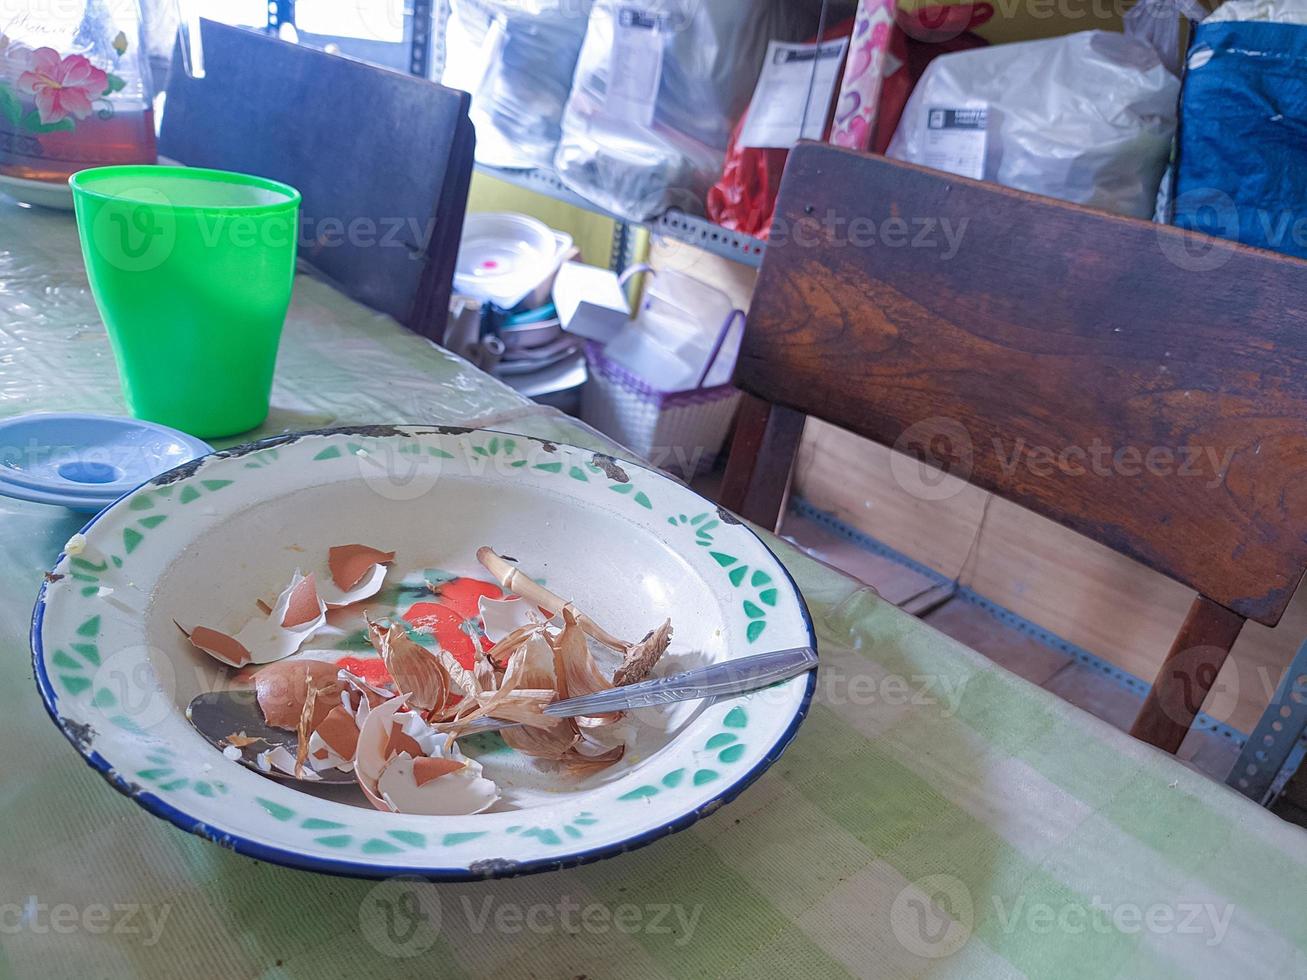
x=1087, y=118
x=659, y=86
x=516, y=58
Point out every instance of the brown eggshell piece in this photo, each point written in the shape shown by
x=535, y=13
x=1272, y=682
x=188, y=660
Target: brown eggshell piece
x=282, y=689
x=302, y=606
x=340, y=733
x=399, y=741
x=426, y=769
x=349, y=563
x=218, y=644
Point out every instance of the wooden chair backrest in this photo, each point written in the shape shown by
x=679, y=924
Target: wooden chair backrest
x=1043, y=351
x=1142, y=385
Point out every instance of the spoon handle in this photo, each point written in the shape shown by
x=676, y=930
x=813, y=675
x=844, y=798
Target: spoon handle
x=717, y=680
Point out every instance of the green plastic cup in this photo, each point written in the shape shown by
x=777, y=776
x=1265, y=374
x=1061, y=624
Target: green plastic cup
x=192, y=272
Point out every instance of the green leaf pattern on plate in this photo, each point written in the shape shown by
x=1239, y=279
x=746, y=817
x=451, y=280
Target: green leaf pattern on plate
x=762, y=593
x=724, y=749
x=341, y=836
x=551, y=836
x=163, y=774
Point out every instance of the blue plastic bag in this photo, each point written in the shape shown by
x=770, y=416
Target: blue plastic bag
x=1242, y=162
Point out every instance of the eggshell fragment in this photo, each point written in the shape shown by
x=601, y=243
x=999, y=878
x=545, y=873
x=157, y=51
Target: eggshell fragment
x=267, y=638
x=501, y=617
x=450, y=783
x=333, y=743
x=459, y=791
x=338, y=733
x=220, y=646
x=357, y=573
x=400, y=741
x=350, y=563
x=426, y=768
x=370, y=756
x=301, y=604
x=281, y=759
x=360, y=696
x=282, y=688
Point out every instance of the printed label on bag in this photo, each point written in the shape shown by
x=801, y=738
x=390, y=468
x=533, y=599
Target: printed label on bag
x=635, y=68
x=956, y=139
x=793, y=77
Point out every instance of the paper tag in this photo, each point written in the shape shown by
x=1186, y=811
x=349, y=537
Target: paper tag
x=793, y=75
x=956, y=140
x=635, y=67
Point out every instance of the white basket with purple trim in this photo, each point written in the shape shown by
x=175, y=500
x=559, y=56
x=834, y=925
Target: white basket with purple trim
x=678, y=431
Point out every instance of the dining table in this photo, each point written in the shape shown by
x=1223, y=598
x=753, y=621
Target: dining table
x=935, y=816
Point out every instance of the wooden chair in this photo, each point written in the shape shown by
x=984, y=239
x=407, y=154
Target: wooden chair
x=383, y=160
x=1049, y=325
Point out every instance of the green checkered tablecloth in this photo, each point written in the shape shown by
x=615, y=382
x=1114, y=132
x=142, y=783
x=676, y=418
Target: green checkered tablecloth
x=936, y=816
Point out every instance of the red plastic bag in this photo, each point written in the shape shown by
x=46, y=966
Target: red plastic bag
x=745, y=197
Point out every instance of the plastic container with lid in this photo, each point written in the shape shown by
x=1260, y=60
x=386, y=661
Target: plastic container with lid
x=504, y=257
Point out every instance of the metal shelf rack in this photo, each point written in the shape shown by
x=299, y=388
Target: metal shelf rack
x=677, y=225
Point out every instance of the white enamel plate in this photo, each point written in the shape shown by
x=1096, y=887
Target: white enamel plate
x=630, y=546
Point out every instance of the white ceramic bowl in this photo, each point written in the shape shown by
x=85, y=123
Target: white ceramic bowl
x=503, y=257
x=629, y=545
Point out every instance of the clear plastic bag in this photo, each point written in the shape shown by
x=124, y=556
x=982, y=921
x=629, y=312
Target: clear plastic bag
x=1087, y=118
x=659, y=86
x=516, y=59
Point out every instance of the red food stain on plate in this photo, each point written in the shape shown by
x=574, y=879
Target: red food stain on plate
x=464, y=595
x=449, y=628
x=373, y=669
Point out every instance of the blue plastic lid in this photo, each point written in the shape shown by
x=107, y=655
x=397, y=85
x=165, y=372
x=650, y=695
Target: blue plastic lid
x=87, y=457
x=84, y=505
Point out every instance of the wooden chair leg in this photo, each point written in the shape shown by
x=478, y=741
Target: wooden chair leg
x=761, y=461
x=1187, y=674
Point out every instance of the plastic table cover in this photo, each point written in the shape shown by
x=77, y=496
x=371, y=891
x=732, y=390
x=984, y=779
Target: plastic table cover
x=935, y=816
